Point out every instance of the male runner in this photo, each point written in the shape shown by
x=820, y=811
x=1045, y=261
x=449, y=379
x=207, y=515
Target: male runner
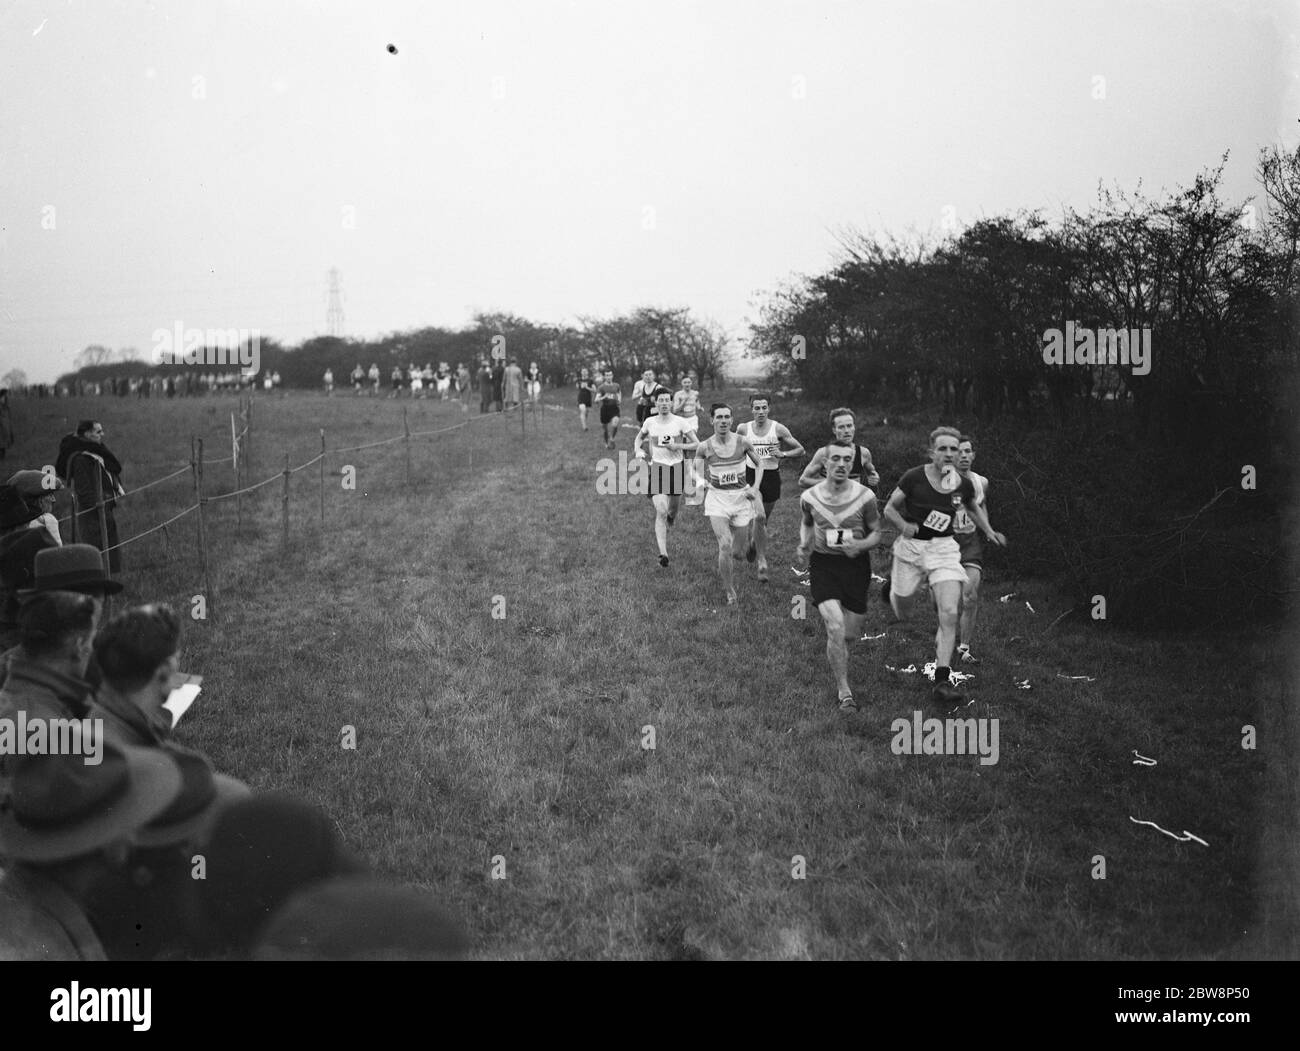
x=611, y=398
x=971, y=546
x=643, y=390
x=922, y=509
x=358, y=378
x=728, y=502
x=773, y=442
x=840, y=524
x=844, y=425
x=668, y=436
x=585, y=390
x=686, y=402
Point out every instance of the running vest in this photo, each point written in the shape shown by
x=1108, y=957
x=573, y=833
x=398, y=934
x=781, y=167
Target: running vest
x=833, y=524
x=657, y=433
x=963, y=523
x=725, y=473
x=768, y=445
x=690, y=402
x=929, y=509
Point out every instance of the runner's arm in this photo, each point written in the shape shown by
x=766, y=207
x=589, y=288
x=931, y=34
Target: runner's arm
x=812, y=474
x=636, y=442
x=753, y=490
x=981, y=517
x=783, y=435
x=805, y=537
x=893, y=515
x=869, y=471
x=870, y=519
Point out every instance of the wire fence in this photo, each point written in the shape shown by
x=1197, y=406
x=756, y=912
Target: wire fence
x=90, y=522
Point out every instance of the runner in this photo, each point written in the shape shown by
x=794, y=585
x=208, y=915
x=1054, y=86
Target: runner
x=396, y=381
x=840, y=524
x=642, y=391
x=443, y=380
x=686, y=402
x=773, y=442
x=971, y=546
x=863, y=471
x=374, y=379
x=534, y=383
x=611, y=398
x=329, y=383
x=358, y=378
x=417, y=380
x=922, y=509
x=728, y=502
x=668, y=436
x=585, y=390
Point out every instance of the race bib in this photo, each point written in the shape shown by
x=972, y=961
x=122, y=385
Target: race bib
x=665, y=440
x=937, y=521
x=962, y=522
x=767, y=452
x=724, y=475
x=838, y=537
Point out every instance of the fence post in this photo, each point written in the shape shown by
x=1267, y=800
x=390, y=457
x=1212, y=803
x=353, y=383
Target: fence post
x=103, y=522
x=196, y=463
x=285, y=502
x=406, y=427
x=322, y=477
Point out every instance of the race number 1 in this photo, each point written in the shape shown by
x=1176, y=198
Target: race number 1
x=838, y=537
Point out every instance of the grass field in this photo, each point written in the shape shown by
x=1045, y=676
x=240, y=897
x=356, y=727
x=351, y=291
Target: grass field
x=519, y=737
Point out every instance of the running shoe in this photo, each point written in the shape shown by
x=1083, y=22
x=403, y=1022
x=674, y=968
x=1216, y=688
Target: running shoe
x=731, y=597
x=762, y=574
x=946, y=693
x=848, y=704
x=965, y=656
x=663, y=561
x=884, y=593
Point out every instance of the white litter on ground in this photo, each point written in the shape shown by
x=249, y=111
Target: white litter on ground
x=1029, y=607
x=1008, y=598
x=1077, y=678
x=1142, y=760
x=872, y=638
x=1172, y=835
x=954, y=676
x=1023, y=684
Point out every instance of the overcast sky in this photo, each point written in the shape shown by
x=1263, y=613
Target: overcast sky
x=208, y=163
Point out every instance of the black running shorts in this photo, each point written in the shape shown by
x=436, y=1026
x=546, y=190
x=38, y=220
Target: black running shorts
x=841, y=578
x=971, y=546
x=770, y=490
x=608, y=410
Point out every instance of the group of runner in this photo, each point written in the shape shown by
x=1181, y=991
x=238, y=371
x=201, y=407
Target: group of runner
x=938, y=509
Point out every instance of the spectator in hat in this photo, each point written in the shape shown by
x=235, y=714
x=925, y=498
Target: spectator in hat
x=358, y=918
x=39, y=497
x=514, y=377
x=261, y=852
x=136, y=653
x=91, y=470
x=19, y=546
x=149, y=908
x=74, y=568
x=65, y=827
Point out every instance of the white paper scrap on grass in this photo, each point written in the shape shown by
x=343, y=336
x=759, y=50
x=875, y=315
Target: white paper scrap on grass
x=1029, y=607
x=1023, y=684
x=1172, y=835
x=185, y=688
x=1142, y=760
x=1077, y=678
x=1008, y=598
x=954, y=676
x=872, y=638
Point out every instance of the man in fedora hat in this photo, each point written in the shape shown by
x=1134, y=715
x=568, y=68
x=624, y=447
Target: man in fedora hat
x=64, y=826
x=19, y=546
x=76, y=568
